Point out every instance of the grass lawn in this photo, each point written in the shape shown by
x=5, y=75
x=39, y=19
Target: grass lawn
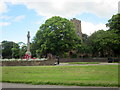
x=101, y=75
x=83, y=62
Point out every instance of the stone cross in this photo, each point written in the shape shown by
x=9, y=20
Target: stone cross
x=28, y=53
x=28, y=41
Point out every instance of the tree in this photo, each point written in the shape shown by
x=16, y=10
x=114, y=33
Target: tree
x=56, y=36
x=114, y=23
x=104, y=43
x=33, y=49
x=10, y=49
x=23, y=49
x=15, y=50
x=83, y=49
x=107, y=43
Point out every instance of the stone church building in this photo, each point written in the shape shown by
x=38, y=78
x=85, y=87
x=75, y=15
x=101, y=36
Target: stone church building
x=77, y=24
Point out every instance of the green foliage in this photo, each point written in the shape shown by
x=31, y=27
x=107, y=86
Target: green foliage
x=23, y=49
x=74, y=55
x=96, y=75
x=10, y=49
x=33, y=49
x=84, y=37
x=114, y=23
x=84, y=48
x=6, y=47
x=56, y=36
x=104, y=43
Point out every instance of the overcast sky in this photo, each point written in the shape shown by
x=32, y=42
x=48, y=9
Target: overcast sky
x=19, y=16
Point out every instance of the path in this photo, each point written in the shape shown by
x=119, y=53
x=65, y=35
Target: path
x=67, y=64
x=14, y=85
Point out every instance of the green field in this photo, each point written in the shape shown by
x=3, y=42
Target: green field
x=101, y=75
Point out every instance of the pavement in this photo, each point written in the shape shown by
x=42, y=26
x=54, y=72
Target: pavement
x=67, y=64
x=15, y=85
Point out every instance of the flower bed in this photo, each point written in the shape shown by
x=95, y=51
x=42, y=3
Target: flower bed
x=24, y=59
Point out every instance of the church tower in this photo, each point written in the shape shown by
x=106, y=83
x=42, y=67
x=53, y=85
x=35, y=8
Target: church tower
x=77, y=24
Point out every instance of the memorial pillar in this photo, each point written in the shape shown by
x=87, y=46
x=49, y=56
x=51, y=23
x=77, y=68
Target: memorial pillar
x=28, y=53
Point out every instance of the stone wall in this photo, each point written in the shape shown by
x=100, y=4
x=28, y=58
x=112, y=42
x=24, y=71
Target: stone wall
x=62, y=60
x=28, y=63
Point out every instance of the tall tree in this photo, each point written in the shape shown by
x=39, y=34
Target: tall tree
x=114, y=23
x=56, y=36
x=23, y=49
x=84, y=49
x=104, y=43
x=10, y=49
x=33, y=48
x=107, y=43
